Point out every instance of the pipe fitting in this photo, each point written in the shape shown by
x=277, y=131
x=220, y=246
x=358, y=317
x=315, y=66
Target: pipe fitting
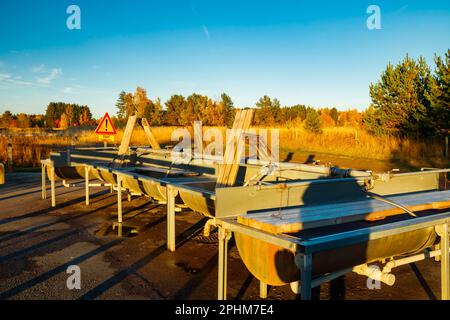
x=373, y=272
x=208, y=226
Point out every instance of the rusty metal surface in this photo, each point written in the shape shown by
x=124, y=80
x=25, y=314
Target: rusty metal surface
x=275, y=265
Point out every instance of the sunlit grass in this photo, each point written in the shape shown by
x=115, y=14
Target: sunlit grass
x=342, y=141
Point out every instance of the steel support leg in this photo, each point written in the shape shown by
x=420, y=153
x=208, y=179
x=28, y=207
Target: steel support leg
x=44, y=182
x=223, y=254
x=445, y=263
x=52, y=184
x=304, y=263
x=263, y=290
x=171, y=193
x=86, y=182
x=119, y=199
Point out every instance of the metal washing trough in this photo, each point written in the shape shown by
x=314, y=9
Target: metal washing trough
x=333, y=237
x=85, y=163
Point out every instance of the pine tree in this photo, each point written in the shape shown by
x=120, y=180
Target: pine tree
x=192, y=110
x=439, y=94
x=400, y=99
x=313, y=121
x=125, y=105
x=268, y=111
x=227, y=108
x=120, y=104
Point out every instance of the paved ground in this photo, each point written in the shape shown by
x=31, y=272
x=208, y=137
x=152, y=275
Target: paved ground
x=38, y=243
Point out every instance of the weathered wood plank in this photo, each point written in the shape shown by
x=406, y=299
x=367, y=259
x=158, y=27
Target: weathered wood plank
x=314, y=211
x=229, y=151
x=227, y=156
x=307, y=217
x=240, y=147
x=125, y=143
x=235, y=146
x=148, y=133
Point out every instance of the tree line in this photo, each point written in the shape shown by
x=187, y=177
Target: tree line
x=57, y=115
x=179, y=110
x=21, y=120
x=64, y=115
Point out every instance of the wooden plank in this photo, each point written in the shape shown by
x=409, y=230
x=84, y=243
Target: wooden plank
x=379, y=212
x=125, y=143
x=148, y=133
x=229, y=168
x=308, y=217
x=309, y=212
x=231, y=158
x=328, y=221
x=229, y=152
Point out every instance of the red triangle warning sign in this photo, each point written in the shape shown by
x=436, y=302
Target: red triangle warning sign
x=106, y=126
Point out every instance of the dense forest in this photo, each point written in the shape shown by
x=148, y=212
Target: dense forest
x=410, y=99
x=57, y=115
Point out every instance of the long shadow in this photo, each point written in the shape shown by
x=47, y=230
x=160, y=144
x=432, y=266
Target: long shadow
x=126, y=218
x=194, y=282
x=310, y=159
x=153, y=223
x=17, y=254
x=62, y=268
x=289, y=157
x=120, y=276
x=423, y=282
x=59, y=194
x=26, y=193
x=51, y=223
x=47, y=210
x=19, y=185
x=244, y=287
x=36, y=234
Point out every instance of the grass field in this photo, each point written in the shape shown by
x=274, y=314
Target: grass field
x=343, y=146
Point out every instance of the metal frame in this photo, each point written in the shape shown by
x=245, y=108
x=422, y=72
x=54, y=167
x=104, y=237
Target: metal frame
x=52, y=178
x=305, y=249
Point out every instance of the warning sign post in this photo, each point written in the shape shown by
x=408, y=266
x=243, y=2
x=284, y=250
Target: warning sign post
x=106, y=130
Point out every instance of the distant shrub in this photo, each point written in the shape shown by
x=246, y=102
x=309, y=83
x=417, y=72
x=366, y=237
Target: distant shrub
x=313, y=122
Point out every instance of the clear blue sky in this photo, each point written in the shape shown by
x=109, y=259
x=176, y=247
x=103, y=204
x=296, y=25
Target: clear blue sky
x=313, y=52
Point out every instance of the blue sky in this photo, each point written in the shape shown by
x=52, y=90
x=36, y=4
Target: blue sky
x=318, y=53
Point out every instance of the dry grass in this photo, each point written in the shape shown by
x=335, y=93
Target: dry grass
x=27, y=151
x=357, y=143
x=338, y=141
